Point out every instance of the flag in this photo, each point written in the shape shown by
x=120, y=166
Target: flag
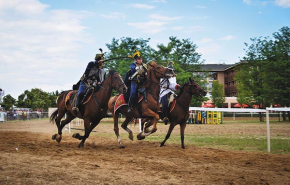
x=25, y=97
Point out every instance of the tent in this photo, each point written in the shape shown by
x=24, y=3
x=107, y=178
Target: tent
x=208, y=105
x=239, y=105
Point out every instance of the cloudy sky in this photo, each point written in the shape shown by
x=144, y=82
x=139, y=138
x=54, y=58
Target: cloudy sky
x=47, y=43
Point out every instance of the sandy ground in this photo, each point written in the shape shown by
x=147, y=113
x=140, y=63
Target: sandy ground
x=29, y=156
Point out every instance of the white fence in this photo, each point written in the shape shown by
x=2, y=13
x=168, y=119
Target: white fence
x=247, y=110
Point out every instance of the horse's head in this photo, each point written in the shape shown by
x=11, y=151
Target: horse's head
x=117, y=82
x=194, y=88
x=161, y=71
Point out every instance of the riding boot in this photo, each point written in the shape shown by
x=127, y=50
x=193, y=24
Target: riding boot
x=130, y=105
x=165, y=119
x=75, y=109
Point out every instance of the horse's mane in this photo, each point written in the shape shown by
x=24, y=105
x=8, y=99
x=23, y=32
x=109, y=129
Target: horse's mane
x=182, y=89
x=111, y=72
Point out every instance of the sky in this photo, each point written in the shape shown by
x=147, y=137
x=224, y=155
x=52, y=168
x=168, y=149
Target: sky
x=47, y=44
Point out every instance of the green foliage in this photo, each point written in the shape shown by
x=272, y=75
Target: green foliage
x=265, y=76
x=37, y=99
x=8, y=102
x=181, y=52
x=217, y=94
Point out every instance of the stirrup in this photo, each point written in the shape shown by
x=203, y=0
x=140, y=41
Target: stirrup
x=75, y=110
x=129, y=109
x=165, y=120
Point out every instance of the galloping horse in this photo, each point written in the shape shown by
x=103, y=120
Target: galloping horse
x=179, y=110
x=92, y=112
x=145, y=109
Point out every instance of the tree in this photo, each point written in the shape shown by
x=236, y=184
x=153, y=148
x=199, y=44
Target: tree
x=265, y=75
x=181, y=52
x=218, y=94
x=37, y=99
x=8, y=102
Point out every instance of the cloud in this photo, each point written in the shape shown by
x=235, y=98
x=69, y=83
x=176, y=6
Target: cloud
x=283, y=3
x=20, y=6
x=192, y=29
x=115, y=16
x=150, y=26
x=35, y=40
x=228, y=37
x=164, y=18
x=142, y=6
x=205, y=40
x=209, y=49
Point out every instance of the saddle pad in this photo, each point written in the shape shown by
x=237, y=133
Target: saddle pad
x=121, y=102
x=172, y=105
x=67, y=98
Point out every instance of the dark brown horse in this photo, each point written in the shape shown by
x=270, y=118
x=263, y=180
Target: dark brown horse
x=146, y=109
x=179, y=114
x=92, y=112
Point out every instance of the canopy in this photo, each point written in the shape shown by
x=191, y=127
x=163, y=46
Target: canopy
x=239, y=105
x=208, y=105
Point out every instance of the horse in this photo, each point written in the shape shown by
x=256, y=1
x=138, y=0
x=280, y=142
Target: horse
x=92, y=112
x=145, y=109
x=179, y=113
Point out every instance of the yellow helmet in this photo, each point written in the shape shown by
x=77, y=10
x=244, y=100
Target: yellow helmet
x=136, y=55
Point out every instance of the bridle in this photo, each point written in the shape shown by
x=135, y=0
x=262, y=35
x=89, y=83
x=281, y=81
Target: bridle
x=118, y=86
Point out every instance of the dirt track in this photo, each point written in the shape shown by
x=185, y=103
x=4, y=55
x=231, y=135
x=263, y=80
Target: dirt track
x=40, y=160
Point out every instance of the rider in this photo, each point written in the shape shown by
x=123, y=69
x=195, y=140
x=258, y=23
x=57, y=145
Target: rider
x=138, y=76
x=94, y=74
x=167, y=85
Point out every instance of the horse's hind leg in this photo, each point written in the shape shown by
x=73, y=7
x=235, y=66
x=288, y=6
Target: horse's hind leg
x=171, y=127
x=124, y=126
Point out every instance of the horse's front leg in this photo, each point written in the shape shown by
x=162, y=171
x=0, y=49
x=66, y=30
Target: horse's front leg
x=171, y=127
x=124, y=126
x=87, y=132
x=153, y=120
x=116, y=129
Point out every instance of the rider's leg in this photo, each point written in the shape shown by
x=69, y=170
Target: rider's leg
x=81, y=89
x=132, y=95
x=165, y=109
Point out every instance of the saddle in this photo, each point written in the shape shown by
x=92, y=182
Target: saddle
x=121, y=101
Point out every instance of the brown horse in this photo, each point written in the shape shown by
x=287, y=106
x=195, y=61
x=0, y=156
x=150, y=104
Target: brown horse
x=92, y=112
x=145, y=109
x=179, y=114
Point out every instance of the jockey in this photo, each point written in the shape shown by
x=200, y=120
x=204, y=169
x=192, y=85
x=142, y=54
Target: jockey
x=138, y=76
x=166, y=87
x=94, y=74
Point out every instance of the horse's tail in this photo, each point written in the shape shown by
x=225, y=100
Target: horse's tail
x=53, y=115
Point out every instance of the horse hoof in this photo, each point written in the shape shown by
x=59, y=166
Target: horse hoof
x=162, y=144
x=81, y=145
x=54, y=137
x=139, y=137
x=131, y=136
x=76, y=135
x=58, y=138
x=121, y=146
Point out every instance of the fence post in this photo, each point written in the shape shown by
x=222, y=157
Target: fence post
x=268, y=131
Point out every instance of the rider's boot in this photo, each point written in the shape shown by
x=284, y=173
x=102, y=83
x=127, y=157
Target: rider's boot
x=75, y=109
x=130, y=105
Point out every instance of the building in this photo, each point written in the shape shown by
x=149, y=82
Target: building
x=224, y=73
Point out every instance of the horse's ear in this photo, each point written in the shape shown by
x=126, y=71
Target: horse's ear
x=152, y=63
